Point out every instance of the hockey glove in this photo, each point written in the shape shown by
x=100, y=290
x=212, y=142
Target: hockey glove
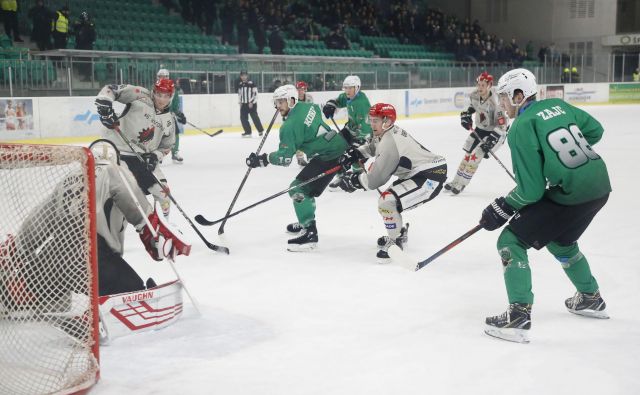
x=465, y=119
x=488, y=143
x=348, y=134
x=329, y=108
x=167, y=243
x=496, y=214
x=181, y=118
x=254, y=160
x=352, y=155
x=151, y=159
x=107, y=115
x=350, y=182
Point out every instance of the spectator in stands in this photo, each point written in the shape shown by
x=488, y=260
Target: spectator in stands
x=543, y=52
x=10, y=19
x=41, y=20
x=185, y=6
x=276, y=42
x=85, y=32
x=243, y=28
x=60, y=28
x=575, y=76
x=256, y=20
x=336, y=39
x=209, y=17
x=566, y=75
x=228, y=19
x=636, y=75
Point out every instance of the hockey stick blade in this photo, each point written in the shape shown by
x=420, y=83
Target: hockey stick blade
x=403, y=259
x=203, y=221
x=216, y=133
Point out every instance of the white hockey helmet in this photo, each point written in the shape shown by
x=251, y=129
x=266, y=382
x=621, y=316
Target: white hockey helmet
x=517, y=79
x=352, y=80
x=288, y=92
x=162, y=73
x=104, y=150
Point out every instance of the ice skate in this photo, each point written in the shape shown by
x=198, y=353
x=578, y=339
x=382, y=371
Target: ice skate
x=307, y=241
x=294, y=228
x=588, y=305
x=512, y=325
x=246, y=135
x=400, y=241
x=453, y=188
x=177, y=158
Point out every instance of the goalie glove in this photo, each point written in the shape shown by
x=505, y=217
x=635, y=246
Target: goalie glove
x=167, y=243
x=496, y=214
x=107, y=115
x=329, y=109
x=350, y=182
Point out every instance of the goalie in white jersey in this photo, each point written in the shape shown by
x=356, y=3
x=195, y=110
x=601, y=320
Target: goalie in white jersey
x=491, y=127
x=421, y=173
x=148, y=124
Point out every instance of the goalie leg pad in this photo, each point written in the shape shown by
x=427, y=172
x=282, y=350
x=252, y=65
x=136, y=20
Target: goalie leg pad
x=151, y=309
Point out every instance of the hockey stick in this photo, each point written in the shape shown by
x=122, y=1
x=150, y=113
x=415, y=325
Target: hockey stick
x=155, y=234
x=214, y=134
x=165, y=189
x=246, y=175
x=475, y=134
x=203, y=221
x=406, y=261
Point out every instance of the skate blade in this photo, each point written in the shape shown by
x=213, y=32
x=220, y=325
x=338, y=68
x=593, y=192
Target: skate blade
x=301, y=247
x=591, y=313
x=383, y=261
x=294, y=233
x=177, y=162
x=509, y=334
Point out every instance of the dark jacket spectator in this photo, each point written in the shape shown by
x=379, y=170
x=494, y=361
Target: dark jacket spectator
x=276, y=42
x=85, y=32
x=337, y=40
x=41, y=18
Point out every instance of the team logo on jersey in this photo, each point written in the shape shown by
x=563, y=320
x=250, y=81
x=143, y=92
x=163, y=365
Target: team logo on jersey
x=146, y=134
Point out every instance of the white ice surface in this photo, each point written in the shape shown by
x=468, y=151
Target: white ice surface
x=334, y=322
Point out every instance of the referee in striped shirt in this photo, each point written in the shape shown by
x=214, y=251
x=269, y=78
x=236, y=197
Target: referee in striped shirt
x=247, y=97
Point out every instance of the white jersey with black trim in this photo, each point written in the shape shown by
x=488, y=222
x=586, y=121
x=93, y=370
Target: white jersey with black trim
x=115, y=207
x=148, y=130
x=488, y=115
x=396, y=153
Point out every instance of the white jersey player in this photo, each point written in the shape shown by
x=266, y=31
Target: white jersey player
x=148, y=124
x=303, y=96
x=491, y=127
x=421, y=173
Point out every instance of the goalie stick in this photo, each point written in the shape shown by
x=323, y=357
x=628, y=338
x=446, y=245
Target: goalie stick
x=410, y=263
x=203, y=221
x=246, y=175
x=210, y=245
x=155, y=234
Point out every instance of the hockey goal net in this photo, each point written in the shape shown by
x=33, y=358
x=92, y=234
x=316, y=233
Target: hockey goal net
x=48, y=270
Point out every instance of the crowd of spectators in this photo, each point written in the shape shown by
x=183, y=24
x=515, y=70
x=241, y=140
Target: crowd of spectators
x=271, y=20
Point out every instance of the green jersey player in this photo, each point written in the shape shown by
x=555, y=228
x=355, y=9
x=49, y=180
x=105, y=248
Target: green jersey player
x=357, y=129
x=304, y=130
x=561, y=184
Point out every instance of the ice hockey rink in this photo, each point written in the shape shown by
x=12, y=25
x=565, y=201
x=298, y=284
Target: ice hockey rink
x=333, y=321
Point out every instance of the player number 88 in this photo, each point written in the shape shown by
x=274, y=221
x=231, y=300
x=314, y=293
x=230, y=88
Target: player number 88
x=572, y=148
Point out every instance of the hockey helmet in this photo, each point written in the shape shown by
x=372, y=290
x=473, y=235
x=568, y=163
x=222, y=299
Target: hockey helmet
x=288, y=92
x=162, y=73
x=302, y=85
x=484, y=76
x=384, y=111
x=352, y=81
x=104, y=150
x=517, y=79
x=164, y=86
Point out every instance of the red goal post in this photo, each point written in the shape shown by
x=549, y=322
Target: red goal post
x=49, y=340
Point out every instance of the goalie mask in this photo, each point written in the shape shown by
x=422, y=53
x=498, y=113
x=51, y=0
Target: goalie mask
x=104, y=150
x=287, y=93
